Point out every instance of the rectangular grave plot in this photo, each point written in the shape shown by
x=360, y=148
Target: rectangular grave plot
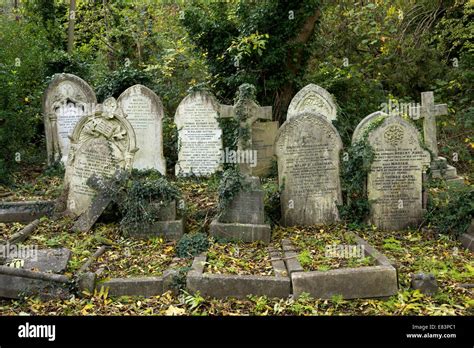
x=144, y=270
x=239, y=286
x=377, y=281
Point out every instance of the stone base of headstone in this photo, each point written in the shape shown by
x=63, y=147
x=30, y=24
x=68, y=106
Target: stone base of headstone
x=440, y=169
x=167, y=225
x=244, y=219
x=169, y=230
x=240, y=232
x=25, y=211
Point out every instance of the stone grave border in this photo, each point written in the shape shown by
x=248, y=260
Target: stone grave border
x=239, y=286
x=126, y=286
x=25, y=211
x=16, y=282
x=364, y=282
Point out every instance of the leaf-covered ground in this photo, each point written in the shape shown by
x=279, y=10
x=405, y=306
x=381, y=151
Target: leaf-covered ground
x=312, y=243
x=411, y=251
x=239, y=258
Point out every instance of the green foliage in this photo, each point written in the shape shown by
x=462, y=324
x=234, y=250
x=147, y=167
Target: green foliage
x=191, y=245
x=243, y=45
x=272, y=201
x=117, y=81
x=146, y=194
x=450, y=209
x=305, y=258
x=22, y=72
x=232, y=183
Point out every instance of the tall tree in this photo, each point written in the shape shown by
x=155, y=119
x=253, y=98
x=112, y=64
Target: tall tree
x=264, y=43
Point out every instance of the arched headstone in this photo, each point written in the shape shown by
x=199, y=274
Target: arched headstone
x=144, y=110
x=395, y=180
x=101, y=144
x=66, y=100
x=364, y=125
x=307, y=149
x=199, y=135
x=315, y=99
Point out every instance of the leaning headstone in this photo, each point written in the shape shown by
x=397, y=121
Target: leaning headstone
x=315, y=99
x=199, y=135
x=263, y=142
x=65, y=101
x=395, y=180
x=101, y=144
x=307, y=149
x=244, y=218
x=363, y=125
x=144, y=110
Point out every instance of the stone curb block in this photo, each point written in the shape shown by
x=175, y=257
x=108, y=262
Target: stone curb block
x=363, y=282
x=27, y=211
x=223, y=286
x=240, y=232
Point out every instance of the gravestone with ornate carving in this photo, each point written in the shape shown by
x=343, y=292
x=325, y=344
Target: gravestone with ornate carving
x=101, y=144
x=66, y=100
x=395, y=179
x=315, y=99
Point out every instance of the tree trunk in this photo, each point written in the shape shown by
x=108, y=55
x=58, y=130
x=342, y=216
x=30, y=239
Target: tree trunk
x=72, y=21
x=295, y=65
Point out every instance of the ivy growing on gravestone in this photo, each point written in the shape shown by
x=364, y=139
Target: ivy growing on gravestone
x=140, y=196
x=246, y=93
x=355, y=167
x=231, y=184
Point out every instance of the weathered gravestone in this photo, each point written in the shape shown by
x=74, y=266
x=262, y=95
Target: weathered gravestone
x=199, y=135
x=364, y=125
x=428, y=111
x=101, y=145
x=257, y=132
x=307, y=149
x=244, y=218
x=65, y=101
x=395, y=180
x=144, y=110
x=315, y=99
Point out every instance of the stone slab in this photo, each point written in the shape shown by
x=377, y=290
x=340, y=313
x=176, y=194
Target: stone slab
x=44, y=260
x=363, y=282
x=238, y=286
x=16, y=287
x=26, y=211
x=169, y=230
x=240, y=232
x=143, y=286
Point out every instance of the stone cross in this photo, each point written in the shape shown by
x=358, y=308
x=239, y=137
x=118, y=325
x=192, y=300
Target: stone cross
x=253, y=113
x=428, y=111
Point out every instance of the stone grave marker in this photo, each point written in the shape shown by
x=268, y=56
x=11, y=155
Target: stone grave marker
x=364, y=125
x=307, y=149
x=244, y=218
x=315, y=99
x=66, y=100
x=256, y=120
x=395, y=180
x=199, y=135
x=101, y=144
x=144, y=110
x=428, y=111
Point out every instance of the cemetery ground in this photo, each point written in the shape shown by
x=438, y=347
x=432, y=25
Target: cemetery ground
x=410, y=251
